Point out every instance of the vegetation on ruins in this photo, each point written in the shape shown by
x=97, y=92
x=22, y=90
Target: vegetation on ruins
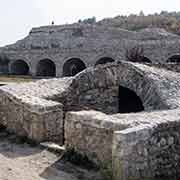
x=88, y=20
x=170, y=21
x=136, y=54
x=79, y=159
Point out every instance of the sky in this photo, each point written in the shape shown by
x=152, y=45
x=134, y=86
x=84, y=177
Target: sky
x=17, y=17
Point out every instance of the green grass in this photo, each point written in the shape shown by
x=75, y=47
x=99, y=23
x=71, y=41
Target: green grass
x=16, y=79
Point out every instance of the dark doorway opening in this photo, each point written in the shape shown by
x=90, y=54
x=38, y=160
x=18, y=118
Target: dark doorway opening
x=104, y=60
x=46, y=67
x=73, y=66
x=129, y=101
x=19, y=67
x=174, y=59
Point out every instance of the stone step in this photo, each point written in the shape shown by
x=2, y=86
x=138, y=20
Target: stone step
x=53, y=147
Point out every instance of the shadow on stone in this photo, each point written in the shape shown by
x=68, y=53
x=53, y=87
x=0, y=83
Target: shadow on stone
x=12, y=146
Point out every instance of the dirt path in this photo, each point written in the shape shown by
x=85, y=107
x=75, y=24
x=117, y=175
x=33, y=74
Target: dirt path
x=23, y=162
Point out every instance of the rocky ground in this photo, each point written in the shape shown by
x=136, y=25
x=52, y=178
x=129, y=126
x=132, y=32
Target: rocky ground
x=22, y=161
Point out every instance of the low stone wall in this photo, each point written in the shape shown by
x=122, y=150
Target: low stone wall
x=91, y=133
x=148, y=151
x=32, y=117
x=139, y=145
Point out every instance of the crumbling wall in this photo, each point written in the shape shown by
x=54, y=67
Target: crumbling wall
x=102, y=99
x=98, y=88
x=148, y=151
x=90, y=44
x=32, y=117
x=168, y=66
x=90, y=133
x=139, y=145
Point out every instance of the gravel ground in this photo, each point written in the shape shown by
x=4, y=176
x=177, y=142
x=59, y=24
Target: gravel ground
x=22, y=161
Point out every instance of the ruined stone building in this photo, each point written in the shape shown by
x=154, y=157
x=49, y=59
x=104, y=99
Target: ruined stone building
x=66, y=50
x=121, y=112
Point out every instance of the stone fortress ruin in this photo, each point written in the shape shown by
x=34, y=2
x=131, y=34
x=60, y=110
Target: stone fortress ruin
x=117, y=112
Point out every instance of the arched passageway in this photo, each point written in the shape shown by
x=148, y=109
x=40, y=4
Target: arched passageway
x=19, y=67
x=104, y=60
x=129, y=101
x=73, y=66
x=174, y=59
x=46, y=67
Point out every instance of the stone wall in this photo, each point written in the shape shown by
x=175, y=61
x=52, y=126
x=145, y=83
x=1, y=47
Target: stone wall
x=103, y=99
x=98, y=88
x=148, y=151
x=61, y=43
x=32, y=117
x=91, y=133
x=140, y=146
x=168, y=66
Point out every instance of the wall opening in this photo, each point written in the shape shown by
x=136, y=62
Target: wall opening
x=146, y=60
x=19, y=67
x=73, y=66
x=104, y=60
x=174, y=59
x=46, y=67
x=129, y=101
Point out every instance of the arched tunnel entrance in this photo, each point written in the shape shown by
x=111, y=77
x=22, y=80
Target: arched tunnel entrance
x=73, y=66
x=104, y=60
x=46, y=67
x=129, y=101
x=19, y=67
x=174, y=59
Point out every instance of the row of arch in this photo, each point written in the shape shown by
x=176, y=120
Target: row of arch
x=71, y=67
x=47, y=67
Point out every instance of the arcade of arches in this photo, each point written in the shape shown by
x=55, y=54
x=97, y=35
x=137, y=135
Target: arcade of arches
x=174, y=59
x=47, y=68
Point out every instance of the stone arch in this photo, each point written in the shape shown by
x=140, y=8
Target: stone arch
x=174, y=59
x=129, y=101
x=46, y=67
x=73, y=66
x=104, y=60
x=19, y=67
x=98, y=89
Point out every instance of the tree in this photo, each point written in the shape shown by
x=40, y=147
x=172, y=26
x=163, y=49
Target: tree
x=135, y=54
x=88, y=20
x=141, y=13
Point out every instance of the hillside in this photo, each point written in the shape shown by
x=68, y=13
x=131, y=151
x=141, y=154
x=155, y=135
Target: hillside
x=169, y=21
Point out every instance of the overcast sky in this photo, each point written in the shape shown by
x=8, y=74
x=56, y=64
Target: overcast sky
x=17, y=17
